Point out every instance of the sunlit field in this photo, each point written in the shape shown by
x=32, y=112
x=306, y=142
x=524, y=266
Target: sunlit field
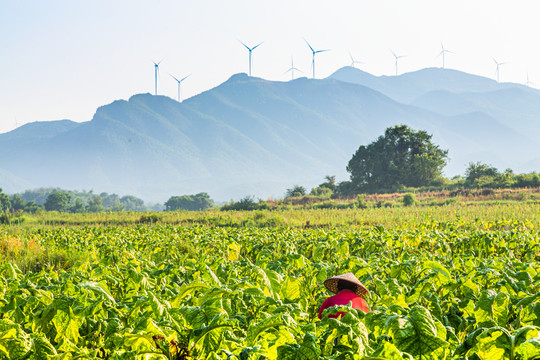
x=445, y=282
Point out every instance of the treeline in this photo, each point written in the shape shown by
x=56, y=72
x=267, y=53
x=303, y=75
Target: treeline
x=55, y=199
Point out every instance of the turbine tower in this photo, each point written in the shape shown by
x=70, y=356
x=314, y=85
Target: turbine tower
x=292, y=68
x=498, y=65
x=353, y=62
x=529, y=83
x=443, y=51
x=179, y=84
x=156, y=70
x=250, y=50
x=313, y=52
x=397, y=58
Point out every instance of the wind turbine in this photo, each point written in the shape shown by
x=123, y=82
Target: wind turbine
x=250, y=50
x=291, y=69
x=498, y=65
x=354, y=61
x=529, y=83
x=313, y=52
x=443, y=51
x=397, y=57
x=180, y=83
x=156, y=70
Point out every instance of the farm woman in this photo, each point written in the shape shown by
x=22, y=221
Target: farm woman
x=348, y=289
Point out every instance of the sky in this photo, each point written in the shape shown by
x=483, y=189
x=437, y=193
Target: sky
x=62, y=59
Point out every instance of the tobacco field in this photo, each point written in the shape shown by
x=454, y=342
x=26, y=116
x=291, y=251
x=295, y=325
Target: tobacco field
x=439, y=290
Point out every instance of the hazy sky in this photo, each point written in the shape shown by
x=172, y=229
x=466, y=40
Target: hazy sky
x=61, y=59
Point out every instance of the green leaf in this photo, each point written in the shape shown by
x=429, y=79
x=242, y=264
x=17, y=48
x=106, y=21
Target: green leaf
x=41, y=347
x=388, y=351
x=528, y=350
x=308, y=350
x=255, y=330
x=98, y=289
x=67, y=325
x=14, y=342
x=417, y=334
x=492, y=309
x=442, y=273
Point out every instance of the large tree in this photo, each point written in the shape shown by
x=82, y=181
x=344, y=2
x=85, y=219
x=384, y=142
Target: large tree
x=400, y=157
x=195, y=202
x=58, y=200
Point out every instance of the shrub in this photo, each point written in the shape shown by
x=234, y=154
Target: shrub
x=149, y=219
x=247, y=204
x=361, y=202
x=409, y=199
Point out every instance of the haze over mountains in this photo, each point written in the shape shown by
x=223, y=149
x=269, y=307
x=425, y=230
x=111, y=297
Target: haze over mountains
x=253, y=136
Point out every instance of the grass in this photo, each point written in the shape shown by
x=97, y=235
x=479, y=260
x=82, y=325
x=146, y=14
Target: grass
x=440, y=210
x=28, y=253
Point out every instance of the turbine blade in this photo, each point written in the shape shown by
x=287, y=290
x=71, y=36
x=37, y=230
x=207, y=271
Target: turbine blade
x=256, y=46
x=185, y=77
x=309, y=46
x=174, y=77
x=247, y=47
x=320, y=51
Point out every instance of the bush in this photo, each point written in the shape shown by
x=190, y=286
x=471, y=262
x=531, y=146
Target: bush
x=361, y=202
x=296, y=191
x=149, y=219
x=322, y=191
x=409, y=200
x=247, y=204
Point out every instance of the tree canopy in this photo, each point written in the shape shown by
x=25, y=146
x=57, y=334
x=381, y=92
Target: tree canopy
x=195, y=202
x=58, y=200
x=400, y=157
x=5, y=204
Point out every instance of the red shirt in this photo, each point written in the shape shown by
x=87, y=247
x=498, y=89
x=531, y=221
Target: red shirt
x=344, y=297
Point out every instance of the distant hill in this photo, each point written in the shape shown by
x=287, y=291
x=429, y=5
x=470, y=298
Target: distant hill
x=253, y=136
x=409, y=86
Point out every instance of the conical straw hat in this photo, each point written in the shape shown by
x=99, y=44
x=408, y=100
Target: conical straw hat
x=332, y=284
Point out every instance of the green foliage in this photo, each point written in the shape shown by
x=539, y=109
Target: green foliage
x=449, y=289
x=17, y=203
x=295, y=191
x=83, y=201
x=327, y=188
x=321, y=191
x=197, y=202
x=478, y=170
x=149, y=219
x=58, y=201
x=95, y=204
x=409, y=199
x=401, y=157
x=360, y=202
x=5, y=204
x=247, y=203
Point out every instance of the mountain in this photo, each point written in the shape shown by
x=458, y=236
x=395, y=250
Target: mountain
x=518, y=107
x=407, y=87
x=253, y=136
